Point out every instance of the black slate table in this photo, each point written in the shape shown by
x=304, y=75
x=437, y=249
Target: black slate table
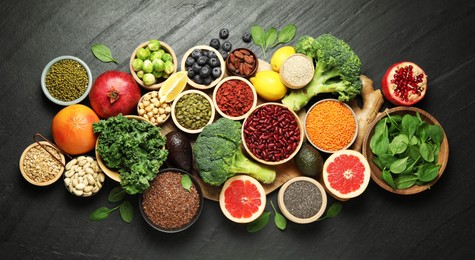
x=50, y=223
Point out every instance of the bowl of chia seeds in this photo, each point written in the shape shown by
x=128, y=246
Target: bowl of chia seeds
x=66, y=80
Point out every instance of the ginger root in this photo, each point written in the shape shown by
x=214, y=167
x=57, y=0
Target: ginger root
x=372, y=102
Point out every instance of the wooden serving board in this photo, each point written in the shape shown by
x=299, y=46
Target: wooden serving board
x=285, y=171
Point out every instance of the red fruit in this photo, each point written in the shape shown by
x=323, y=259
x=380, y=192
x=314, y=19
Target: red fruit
x=346, y=174
x=404, y=84
x=113, y=93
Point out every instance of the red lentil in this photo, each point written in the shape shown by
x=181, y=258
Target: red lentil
x=330, y=125
x=272, y=133
x=167, y=204
x=234, y=98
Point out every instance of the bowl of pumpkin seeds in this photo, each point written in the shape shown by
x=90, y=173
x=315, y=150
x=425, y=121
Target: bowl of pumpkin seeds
x=66, y=80
x=192, y=110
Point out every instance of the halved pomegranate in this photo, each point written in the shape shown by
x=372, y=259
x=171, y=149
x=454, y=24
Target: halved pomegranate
x=404, y=84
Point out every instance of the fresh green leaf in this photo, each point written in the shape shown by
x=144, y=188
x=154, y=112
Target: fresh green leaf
x=423, y=131
x=409, y=125
x=186, y=182
x=427, y=152
x=379, y=142
x=414, y=140
x=126, y=211
x=101, y=213
x=270, y=37
x=387, y=159
x=116, y=194
x=258, y=35
x=102, y=53
x=279, y=220
x=286, y=34
x=399, y=165
x=428, y=172
x=436, y=134
x=405, y=181
x=334, y=210
x=259, y=223
x=388, y=178
x=399, y=144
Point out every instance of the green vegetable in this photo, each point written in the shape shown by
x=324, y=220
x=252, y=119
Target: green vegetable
x=148, y=79
x=186, y=182
x=158, y=65
x=101, y=213
x=156, y=55
x=266, y=39
x=332, y=211
x=102, y=53
x=137, y=64
x=134, y=148
x=270, y=37
x=125, y=208
x=117, y=194
x=286, y=34
x=126, y=211
x=140, y=74
x=167, y=57
x=218, y=154
x=153, y=45
x=169, y=67
x=337, y=70
x=143, y=53
x=147, y=66
x=406, y=150
x=279, y=219
x=259, y=223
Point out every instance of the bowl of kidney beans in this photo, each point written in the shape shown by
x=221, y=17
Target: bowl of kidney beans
x=205, y=66
x=272, y=134
x=234, y=97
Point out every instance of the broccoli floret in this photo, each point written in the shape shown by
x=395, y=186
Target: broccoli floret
x=337, y=70
x=218, y=154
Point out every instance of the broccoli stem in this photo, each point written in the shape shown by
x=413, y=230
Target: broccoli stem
x=242, y=164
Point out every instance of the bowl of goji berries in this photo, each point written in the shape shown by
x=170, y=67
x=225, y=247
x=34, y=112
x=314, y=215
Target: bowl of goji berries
x=234, y=97
x=272, y=134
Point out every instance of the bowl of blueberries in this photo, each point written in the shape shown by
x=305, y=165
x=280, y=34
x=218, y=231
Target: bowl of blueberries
x=205, y=66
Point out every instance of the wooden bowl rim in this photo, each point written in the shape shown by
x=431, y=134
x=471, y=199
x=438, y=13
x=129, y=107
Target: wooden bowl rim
x=220, y=58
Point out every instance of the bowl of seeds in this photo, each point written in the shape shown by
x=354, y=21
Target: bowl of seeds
x=66, y=80
x=192, y=110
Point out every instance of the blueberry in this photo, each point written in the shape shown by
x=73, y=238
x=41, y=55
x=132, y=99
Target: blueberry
x=196, y=53
x=191, y=72
x=246, y=37
x=213, y=62
x=224, y=54
x=216, y=72
x=197, y=79
x=227, y=46
x=215, y=43
x=207, y=81
x=189, y=61
x=223, y=33
x=202, y=60
x=212, y=54
x=196, y=67
x=205, y=53
x=205, y=72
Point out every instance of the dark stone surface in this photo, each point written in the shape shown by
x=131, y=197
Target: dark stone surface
x=49, y=223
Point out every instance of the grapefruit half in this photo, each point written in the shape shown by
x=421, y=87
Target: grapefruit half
x=346, y=174
x=242, y=199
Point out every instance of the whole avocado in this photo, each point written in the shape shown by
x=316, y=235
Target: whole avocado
x=180, y=154
x=309, y=161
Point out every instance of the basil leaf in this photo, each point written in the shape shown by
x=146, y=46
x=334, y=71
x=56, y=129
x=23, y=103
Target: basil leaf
x=100, y=213
x=399, y=165
x=116, y=194
x=259, y=223
x=405, y=181
x=428, y=172
x=270, y=37
x=388, y=178
x=126, y=211
x=103, y=53
x=186, y=182
x=399, y=144
x=427, y=152
x=286, y=34
x=257, y=35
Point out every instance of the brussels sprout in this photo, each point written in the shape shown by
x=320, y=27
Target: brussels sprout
x=140, y=74
x=160, y=53
x=167, y=57
x=153, y=45
x=158, y=65
x=157, y=74
x=155, y=55
x=137, y=64
x=148, y=79
x=169, y=67
x=143, y=53
x=147, y=66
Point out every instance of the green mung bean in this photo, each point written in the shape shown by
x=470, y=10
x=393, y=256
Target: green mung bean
x=66, y=80
x=193, y=111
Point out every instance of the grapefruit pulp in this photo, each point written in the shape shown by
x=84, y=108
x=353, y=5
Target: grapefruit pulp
x=346, y=174
x=242, y=199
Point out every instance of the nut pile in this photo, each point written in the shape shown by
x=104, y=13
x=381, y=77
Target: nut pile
x=83, y=176
x=241, y=62
x=150, y=108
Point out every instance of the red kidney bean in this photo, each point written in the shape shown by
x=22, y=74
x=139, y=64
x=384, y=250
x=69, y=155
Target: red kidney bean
x=271, y=133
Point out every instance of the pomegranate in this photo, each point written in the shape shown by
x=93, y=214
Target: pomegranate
x=113, y=93
x=404, y=84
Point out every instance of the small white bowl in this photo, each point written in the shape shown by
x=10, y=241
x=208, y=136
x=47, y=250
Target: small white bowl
x=55, y=100
x=175, y=119
x=218, y=55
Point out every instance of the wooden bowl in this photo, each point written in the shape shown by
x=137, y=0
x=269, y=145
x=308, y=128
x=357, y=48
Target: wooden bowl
x=247, y=148
x=24, y=171
x=114, y=175
x=160, y=81
x=254, y=103
x=230, y=61
x=376, y=174
x=175, y=119
x=153, y=92
x=289, y=69
x=221, y=61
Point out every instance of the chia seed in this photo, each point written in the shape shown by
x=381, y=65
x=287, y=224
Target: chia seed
x=302, y=199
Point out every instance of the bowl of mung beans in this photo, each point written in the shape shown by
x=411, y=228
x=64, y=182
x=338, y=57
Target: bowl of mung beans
x=66, y=80
x=192, y=110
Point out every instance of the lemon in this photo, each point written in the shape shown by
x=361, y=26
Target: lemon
x=173, y=86
x=268, y=85
x=280, y=55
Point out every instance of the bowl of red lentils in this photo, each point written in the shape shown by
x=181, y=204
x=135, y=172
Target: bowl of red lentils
x=234, y=97
x=331, y=125
x=173, y=201
x=272, y=134
x=42, y=164
x=66, y=80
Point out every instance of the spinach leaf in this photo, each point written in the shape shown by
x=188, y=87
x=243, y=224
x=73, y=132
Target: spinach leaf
x=399, y=144
x=332, y=211
x=101, y=213
x=427, y=152
x=186, y=182
x=399, y=165
x=405, y=181
x=428, y=172
x=116, y=194
x=102, y=53
x=409, y=125
x=423, y=131
x=126, y=211
x=388, y=178
x=387, y=159
x=286, y=34
x=270, y=37
x=379, y=142
x=436, y=134
x=259, y=223
x=279, y=220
